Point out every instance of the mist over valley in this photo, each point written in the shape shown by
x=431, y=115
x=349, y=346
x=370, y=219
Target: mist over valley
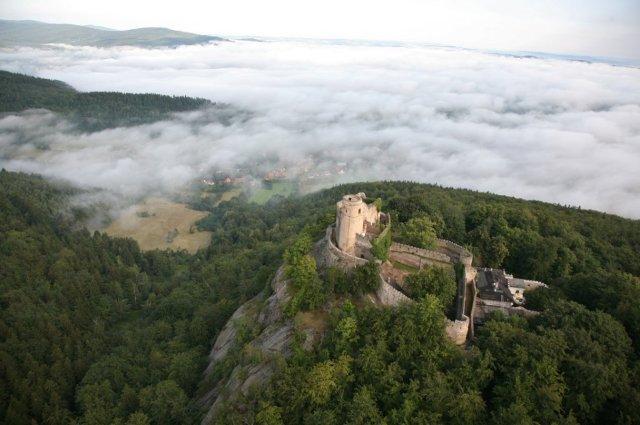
x=559, y=131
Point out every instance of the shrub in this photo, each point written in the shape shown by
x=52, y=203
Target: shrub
x=381, y=244
x=419, y=231
x=433, y=280
x=366, y=278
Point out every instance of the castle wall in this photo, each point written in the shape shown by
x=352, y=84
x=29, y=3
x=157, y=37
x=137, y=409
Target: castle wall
x=457, y=330
x=472, y=312
x=456, y=252
x=371, y=213
x=413, y=254
x=351, y=215
x=327, y=254
x=390, y=296
x=484, y=307
x=526, y=284
x=446, y=251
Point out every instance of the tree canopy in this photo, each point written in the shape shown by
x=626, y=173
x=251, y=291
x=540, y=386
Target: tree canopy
x=90, y=110
x=93, y=330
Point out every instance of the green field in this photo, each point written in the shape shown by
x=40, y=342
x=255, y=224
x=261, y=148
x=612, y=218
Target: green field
x=262, y=195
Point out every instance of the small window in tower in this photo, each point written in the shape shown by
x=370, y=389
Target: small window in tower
x=359, y=210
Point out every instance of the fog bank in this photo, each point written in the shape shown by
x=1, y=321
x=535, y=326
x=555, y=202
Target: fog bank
x=558, y=131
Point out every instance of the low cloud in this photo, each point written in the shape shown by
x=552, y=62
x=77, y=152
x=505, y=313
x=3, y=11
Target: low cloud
x=558, y=131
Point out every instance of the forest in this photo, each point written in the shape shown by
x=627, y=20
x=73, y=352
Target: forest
x=93, y=330
x=91, y=111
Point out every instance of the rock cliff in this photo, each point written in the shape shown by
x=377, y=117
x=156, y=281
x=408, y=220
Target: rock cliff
x=246, y=353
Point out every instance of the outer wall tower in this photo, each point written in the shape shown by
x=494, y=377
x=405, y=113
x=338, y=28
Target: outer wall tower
x=350, y=220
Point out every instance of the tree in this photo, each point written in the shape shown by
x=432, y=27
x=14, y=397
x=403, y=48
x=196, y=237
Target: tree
x=326, y=378
x=164, y=403
x=269, y=415
x=184, y=369
x=381, y=244
x=138, y=418
x=434, y=280
x=419, y=231
x=363, y=409
x=366, y=278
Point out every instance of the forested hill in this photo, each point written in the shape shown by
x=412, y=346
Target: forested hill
x=29, y=33
x=91, y=110
x=92, y=330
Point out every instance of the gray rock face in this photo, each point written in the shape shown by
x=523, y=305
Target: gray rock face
x=272, y=310
x=275, y=335
x=227, y=337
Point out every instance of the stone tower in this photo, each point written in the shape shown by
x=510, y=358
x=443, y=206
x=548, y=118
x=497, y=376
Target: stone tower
x=352, y=216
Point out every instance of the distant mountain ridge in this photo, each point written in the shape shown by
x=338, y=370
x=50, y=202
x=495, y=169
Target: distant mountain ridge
x=34, y=33
x=92, y=111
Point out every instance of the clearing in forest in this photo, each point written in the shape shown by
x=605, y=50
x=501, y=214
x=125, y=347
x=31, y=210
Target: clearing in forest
x=158, y=223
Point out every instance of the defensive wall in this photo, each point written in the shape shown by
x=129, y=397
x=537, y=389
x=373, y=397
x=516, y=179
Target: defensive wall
x=457, y=253
x=484, y=307
x=352, y=217
x=327, y=254
x=445, y=252
x=456, y=330
x=388, y=295
x=416, y=257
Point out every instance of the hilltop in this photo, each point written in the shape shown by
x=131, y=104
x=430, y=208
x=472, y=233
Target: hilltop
x=355, y=325
x=33, y=33
x=114, y=334
x=91, y=110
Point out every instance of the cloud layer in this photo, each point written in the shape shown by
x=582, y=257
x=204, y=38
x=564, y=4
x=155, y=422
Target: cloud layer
x=557, y=131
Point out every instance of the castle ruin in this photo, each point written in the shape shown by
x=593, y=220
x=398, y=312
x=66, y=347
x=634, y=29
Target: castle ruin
x=348, y=244
x=353, y=217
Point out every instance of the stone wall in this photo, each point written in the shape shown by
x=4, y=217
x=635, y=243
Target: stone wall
x=461, y=295
x=472, y=313
x=527, y=284
x=446, y=251
x=352, y=217
x=456, y=252
x=483, y=308
x=390, y=296
x=457, y=330
x=419, y=252
x=327, y=254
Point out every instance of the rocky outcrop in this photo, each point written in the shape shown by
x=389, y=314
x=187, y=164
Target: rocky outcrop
x=227, y=337
x=253, y=362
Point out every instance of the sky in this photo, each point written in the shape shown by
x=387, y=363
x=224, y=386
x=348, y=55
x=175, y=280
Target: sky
x=559, y=131
x=608, y=28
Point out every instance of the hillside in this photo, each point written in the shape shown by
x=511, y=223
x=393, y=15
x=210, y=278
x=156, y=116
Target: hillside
x=31, y=33
x=91, y=110
x=113, y=334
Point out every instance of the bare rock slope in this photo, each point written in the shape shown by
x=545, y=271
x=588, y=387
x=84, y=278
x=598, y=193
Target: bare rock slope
x=251, y=345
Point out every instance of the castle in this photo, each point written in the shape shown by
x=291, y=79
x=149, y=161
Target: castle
x=359, y=225
x=354, y=220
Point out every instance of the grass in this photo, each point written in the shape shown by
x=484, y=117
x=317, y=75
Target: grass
x=401, y=266
x=315, y=319
x=151, y=221
x=262, y=195
x=229, y=195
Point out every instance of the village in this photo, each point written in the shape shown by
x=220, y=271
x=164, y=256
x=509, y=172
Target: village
x=302, y=172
